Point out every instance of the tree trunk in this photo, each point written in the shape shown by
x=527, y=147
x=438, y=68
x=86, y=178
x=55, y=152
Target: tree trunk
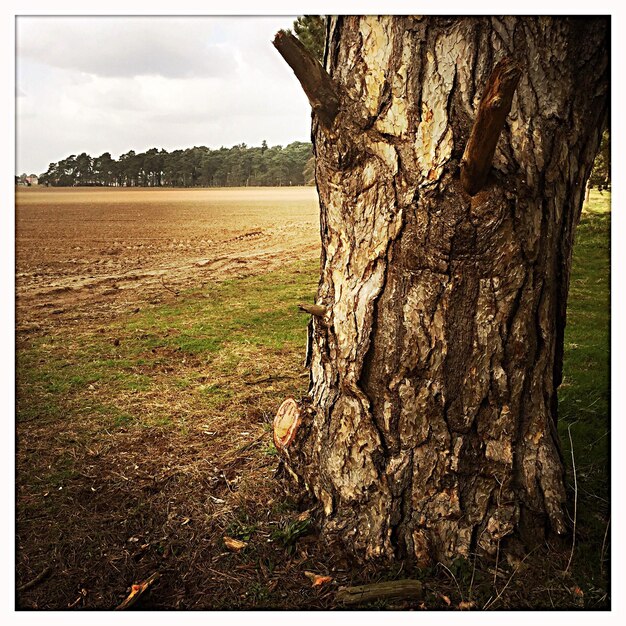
x=429, y=431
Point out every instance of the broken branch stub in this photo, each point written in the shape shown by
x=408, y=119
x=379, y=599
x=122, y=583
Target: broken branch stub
x=492, y=111
x=286, y=423
x=318, y=86
x=313, y=309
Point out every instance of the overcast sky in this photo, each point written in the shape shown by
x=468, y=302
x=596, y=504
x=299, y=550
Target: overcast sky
x=112, y=84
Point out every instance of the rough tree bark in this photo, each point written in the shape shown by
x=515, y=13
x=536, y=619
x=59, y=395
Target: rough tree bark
x=429, y=431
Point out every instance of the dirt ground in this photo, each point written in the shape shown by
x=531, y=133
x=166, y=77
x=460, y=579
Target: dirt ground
x=88, y=253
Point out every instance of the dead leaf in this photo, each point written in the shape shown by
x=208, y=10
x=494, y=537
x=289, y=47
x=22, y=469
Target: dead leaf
x=234, y=545
x=445, y=599
x=466, y=606
x=317, y=580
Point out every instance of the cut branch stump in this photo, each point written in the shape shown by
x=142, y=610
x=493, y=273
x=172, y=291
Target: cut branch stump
x=313, y=309
x=286, y=423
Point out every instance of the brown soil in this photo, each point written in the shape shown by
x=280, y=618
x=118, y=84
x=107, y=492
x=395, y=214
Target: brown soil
x=85, y=253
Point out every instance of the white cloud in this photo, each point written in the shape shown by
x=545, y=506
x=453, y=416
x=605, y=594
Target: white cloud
x=113, y=84
x=124, y=46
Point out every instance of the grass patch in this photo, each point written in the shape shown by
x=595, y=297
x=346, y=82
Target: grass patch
x=259, y=311
x=599, y=202
x=585, y=393
x=197, y=346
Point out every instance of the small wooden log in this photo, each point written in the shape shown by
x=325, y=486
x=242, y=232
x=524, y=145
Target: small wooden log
x=137, y=591
x=312, y=309
x=315, y=80
x=492, y=111
x=406, y=589
x=286, y=423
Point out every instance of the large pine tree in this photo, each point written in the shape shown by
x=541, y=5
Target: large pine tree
x=451, y=161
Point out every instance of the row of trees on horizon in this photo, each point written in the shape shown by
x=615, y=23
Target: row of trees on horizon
x=238, y=166
x=193, y=167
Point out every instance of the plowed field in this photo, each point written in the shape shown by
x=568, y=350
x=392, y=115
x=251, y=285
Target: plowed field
x=84, y=253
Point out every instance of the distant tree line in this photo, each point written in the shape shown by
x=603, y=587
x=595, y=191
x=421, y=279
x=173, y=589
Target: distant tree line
x=601, y=172
x=238, y=166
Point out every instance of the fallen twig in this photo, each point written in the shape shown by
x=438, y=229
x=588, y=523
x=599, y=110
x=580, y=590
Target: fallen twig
x=606, y=532
x=71, y=605
x=35, y=581
x=137, y=591
x=168, y=288
x=491, y=602
x=571, y=445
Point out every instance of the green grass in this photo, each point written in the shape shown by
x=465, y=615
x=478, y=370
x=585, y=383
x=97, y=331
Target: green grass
x=192, y=345
x=258, y=311
x=599, y=202
x=584, y=395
